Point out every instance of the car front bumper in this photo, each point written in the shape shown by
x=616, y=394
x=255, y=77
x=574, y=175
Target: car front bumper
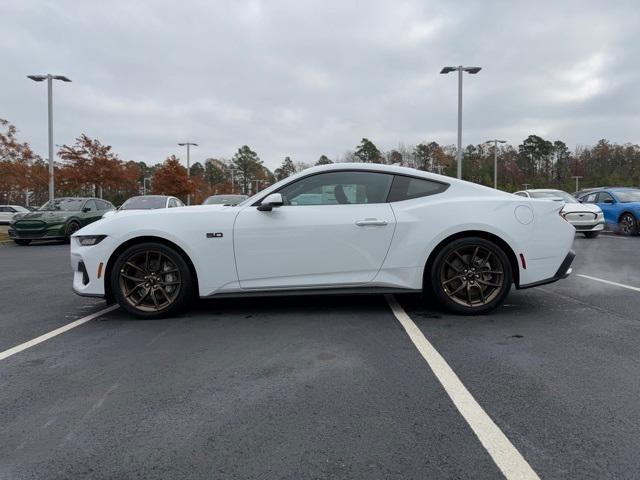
x=89, y=266
x=47, y=232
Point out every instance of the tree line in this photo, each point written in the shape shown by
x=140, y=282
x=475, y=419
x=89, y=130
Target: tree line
x=89, y=167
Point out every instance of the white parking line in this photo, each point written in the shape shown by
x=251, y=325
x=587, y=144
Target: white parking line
x=609, y=282
x=54, y=333
x=504, y=454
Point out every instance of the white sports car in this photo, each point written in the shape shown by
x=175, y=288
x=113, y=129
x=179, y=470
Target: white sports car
x=337, y=228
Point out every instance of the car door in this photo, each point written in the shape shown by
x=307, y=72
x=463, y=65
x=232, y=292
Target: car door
x=90, y=212
x=609, y=207
x=334, y=229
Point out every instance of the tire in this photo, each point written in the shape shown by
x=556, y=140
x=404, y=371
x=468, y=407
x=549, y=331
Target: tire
x=151, y=280
x=471, y=276
x=627, y=225
x=591, y=234
x=71, y=228
x=22, y=242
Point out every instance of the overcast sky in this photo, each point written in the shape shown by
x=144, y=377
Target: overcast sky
x=305, y=78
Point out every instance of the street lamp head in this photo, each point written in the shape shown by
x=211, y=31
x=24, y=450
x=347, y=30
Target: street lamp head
x=61, y=77
x=448, y=69
x=472, y=70
x=188, y=143
x=37, y=78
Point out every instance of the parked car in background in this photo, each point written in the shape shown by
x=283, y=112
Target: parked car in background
x=148, y=202
x=57, y=219
x=225, y=200
x=621, y=207
x=361, y=228
x=586, y=218
x=8, y=211
x=581, y=192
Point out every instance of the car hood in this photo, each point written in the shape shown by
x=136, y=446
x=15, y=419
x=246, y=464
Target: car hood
x=580, y=207
x=46, y=216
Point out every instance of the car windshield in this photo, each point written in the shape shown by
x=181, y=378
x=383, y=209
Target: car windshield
x=224, y=200
x=144, y=203
x=626, y=196
x=64, y=204
x=554, y=194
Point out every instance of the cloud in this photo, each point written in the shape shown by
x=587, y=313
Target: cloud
x=310, y=77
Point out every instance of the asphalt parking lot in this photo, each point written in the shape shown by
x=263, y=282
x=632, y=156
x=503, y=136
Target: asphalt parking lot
x=321, y=387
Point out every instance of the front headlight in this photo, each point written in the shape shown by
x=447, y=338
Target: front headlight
x=89, y=240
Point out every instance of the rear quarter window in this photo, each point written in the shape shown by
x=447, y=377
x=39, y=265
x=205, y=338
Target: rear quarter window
x=407, y=188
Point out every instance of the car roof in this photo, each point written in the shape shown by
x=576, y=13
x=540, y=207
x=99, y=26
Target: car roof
x=378, y=167
x=151, y=196
x=542, y=190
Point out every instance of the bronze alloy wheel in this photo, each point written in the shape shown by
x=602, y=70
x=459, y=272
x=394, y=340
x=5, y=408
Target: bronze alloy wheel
x=150, y=281
x=470, y=275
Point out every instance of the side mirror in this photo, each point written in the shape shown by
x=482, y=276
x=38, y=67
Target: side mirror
x=86, y=209
x=273, y=200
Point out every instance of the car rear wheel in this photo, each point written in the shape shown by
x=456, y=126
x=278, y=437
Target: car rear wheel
x=151, y=280
x=22, y=242
x=628, y=224
x=591, y=234
x=471, y=276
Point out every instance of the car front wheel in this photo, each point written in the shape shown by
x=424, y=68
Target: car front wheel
x=71, y=228
x=471, y=276
x=627, y=224
x=151, y=280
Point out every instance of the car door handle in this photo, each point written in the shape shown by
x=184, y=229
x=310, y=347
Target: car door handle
x=371, y=222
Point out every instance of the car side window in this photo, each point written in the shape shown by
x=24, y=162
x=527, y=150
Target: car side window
x=102, y=205
x=91, y=205
x=179, y=202
x=407, y=188
x=604, y=197
x=172, y=203
x=6, y=209
x=520, y=194
x=590, y=198
x=338, y=188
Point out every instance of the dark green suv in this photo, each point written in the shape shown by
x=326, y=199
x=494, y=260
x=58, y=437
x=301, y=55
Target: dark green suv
x=57, y=219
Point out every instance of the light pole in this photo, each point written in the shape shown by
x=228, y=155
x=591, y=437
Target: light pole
x=460, y=69
x=188, y=144
x=144, y=185
x=50, y=78
x=577, y=177
x=495, y=142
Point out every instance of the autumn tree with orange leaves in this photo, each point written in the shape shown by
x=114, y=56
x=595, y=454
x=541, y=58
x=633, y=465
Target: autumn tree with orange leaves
x=22, y=173
x=91, y=168
x=171, y=179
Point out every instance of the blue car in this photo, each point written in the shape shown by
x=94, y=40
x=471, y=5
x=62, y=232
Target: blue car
x=621, y=207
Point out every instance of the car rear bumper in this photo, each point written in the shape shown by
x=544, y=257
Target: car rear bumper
x=563, y=272
x=594, y=227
